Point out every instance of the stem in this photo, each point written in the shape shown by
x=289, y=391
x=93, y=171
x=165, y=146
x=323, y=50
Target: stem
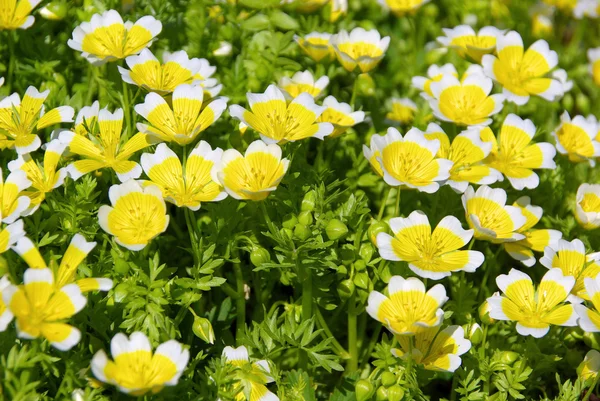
x=352, y=336
x=189, y=220
x=240, y=301
x=386, y=195
x=126, y=110
x=409, y=362
x=268, y=220
x=327, y=334
x=397, y=210
x=589, y=393
x=354, y=91
x=307, y=297
x=372, y=342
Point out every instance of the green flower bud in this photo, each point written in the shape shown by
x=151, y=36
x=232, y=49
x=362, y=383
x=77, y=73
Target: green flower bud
x=364, y=390
x=289, y=221
x=203, y=329
x=475, y=334
x=366, y=85
x=305, y=218
x=341, y=269
x=360, y=265
x=345, y=289
x=484, y=313
x=336, y=229
x=382, y=394
x=309, y=201
x=376, y=228
x=388, y=379
x=395, y=393
x=508, y=357
x=361, y=280
x=366, y=251
x=347, y=255
x=302, y=232
x=583, y=103
x=54, y=11
x=121, y=266
x=121, y=292
x=286, y=232
x=568, y=102
x=259, y=255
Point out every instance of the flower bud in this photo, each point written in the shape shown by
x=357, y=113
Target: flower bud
x=302, y=232
x=583, y=103
x=289, y=221
x=259, y=255
x=388, y=379
x=484, y=313
x=336, y=229
x=361, y=280
x=376, y=228
x=366, y=251
x=305, y=218
x=203, y=329
x=568, y=102
x=286, y=232
x=309, y=201
x=121, y=291
x=364, y=390
x=345, y=289
x=475, y=334
x=54, y=11
x=382, y=394
x=508, y=357
x=395, y=393
x=360, y=265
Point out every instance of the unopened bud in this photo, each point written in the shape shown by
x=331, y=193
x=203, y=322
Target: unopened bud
x=388, y=379
x=364, y=390
x=305, y=218
x=475, y=334
x=376, y=228
x=345, y=289
x=259, y=255
x=336, y=229
x=309, y=201
x=203, y=329
x=395, y=393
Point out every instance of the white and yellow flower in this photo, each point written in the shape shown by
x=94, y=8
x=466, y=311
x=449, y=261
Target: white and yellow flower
x=15, y=14
x=523, y=73
x=571, y=259
x=541, y=26
x=561, y=76
x=277, y=121
x=589, y=368
x=433, y=255
x=534, y=311
x=6, y=315
x=593, y=56
x=107, y=38
x=184, y=120
x=360, y=47
x=589, y=319
x=373, y=152
x=21, y=119
x=14, y=202
x=138, y=214
x=338, y=9
x=435, y=73
x=408, y=309
x=435, y=349
x=469, y=43
x=535, y=239
x=487, y=213
x=587, y=8
x=402, y=110
x=87, y=119
x=189, y=186
x=135, y=369
x=251, y=377
x=587, y=207
x=255, y=174
x=403, y=7
x=411, y=161
x=340, y=115
x=465, y=103
x=316, y=45
x=9, y=236
x=303, y=82
x=576, y=138
x=515, y=155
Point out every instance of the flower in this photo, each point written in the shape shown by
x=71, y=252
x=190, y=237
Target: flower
x=593, y=56
x=106, y=38
x=338, y=8
x=429, y=255
x=587, y=8
x=19, y=120
x=468, y=43
x=561, y=76
x=9, y=236
x=466, y=152
x=187, y=189
x=225, y=48
x=135, y=369
x=251, y=377
x=41, y=308
x=465, y=103
x=515, y=156
x=340, y=115
x=435, y=73
x=409, y=309
x=86, y=119
x=571, y=259
x=590, y=366
x=43, y=178
x=253, y=175
x=276, y=121
x=316, y=45
x=6, y=315
x=576, y=139
x=14, y=203
x=403, y=7
x=488, y=215
x=535, y=240
x=587, y=208
x=434, y=349
x=523, y=73
x=103, y=149
x=534, y=311
x=541, y=25
x=14, y=14
x=373, y=152
x=137, y=214
x=403, y=110
x=411, y=161
x=361, y=48
x=589, y=319
x=303, y=82
x=177, y=68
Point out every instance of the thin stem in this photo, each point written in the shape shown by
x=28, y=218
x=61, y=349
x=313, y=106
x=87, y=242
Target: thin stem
x=398, y=199
x=270, y=225
x=352, y=336
x=240, y=301
x=227, y=289
x=372, y=342
x=322, y=323
x=409, y=363
x=189, y=221
x=386, y=195
x=127, y=109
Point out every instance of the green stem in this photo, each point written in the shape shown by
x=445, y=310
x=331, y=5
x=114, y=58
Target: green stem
x=386, y=195
x=398, y=195
x=327, y=334
x=589, y=393
x=227, y=289
x=307, y=289
x=270, y=225
x=240, y=301
x=189, y=220
x=372, y=342
x=352, y=336
x=354, y=92
x=409, y=362
x=127, y=109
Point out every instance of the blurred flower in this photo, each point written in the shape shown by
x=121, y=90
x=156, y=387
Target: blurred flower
x=255, y=174
x=9, y=236
x=189, y=186
x=338, y=8
x=41, y=308
x=361, y=48
x=184, y=120
x=135, y=369
x=535, y=240
x=576, y=139
x=590, y=366
x=561, y=76
x=408, y=310
x=541, y=26
x=403, y=7
x=316, y=45
x=488, y=215
x=534, y=311
x=594, y=59
x=373, y=152
x=137, y=214
x=276, y=121
x=43, y=178
x=303, y=82
x=469, y=43
x=571, y=259
x=589, y=319
x=587, y=208
x=587, y=8
x=465, y=103
x=20, y=120
x=86, y=119
x=14, y=202
x=224, y=49
x=435, y=73
x=563, y=5
x=14, y=14
x=515, y=156
x=402, y=110
x=6, y=315
x=107, y=38
x=251, y=377
x=523, y=73
x=411, y=161
x=434, y=349
x=340, y=115
x=429, y=255
x=103, y=148
x=55, y=10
